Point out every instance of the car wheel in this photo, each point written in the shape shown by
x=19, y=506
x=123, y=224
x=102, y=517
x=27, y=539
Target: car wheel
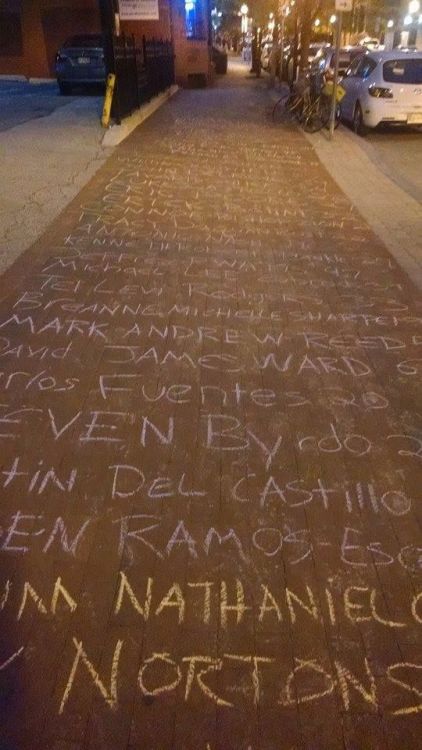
x=64, y=88
x=358, y=124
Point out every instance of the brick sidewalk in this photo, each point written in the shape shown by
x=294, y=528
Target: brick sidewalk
x=210, y=456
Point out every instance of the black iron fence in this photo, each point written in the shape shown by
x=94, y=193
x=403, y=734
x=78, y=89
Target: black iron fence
x=143, y=69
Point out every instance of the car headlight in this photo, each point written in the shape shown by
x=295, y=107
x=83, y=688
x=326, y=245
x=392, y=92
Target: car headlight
x=380, y=92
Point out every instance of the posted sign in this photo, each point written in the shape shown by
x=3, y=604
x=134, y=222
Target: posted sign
x=138, y=10
x=344, y=5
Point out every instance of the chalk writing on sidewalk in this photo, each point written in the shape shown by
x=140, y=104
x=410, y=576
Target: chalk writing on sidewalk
x=210, y=452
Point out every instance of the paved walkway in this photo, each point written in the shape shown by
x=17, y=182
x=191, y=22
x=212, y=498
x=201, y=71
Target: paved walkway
x=210, y=459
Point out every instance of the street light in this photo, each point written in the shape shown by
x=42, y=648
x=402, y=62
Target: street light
x=390, y=24
x=317, y=22
x=414, y=6
x=333, y=18
x=244, y=10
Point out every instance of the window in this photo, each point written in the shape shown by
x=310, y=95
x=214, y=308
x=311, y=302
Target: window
x=194, y=19
x=351, y=71
x=403, y=71
x=365, y=67
x=11, y=44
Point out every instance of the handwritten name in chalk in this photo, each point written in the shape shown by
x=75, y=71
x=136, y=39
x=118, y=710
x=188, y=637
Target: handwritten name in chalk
x=40, y=300
x=43, y=381
x=246, y=256
x=129, y=481
x=31, y=299
x=208, y=678
x=318, y=340
x=10, y=349
x=289, y=363
x=205, y=263
x=237, y=395
x=382, y=320
x=112, y=266
x=218, y=432
x=352, y=497
x=230, y=602
x=55, y=326
x=145, y=534
x=26, y=532
x=37, y=482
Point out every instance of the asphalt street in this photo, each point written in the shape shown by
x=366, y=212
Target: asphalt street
x=398, y=154
x=21, y=101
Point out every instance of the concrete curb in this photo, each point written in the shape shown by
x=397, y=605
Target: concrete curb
x=392, y=213
x=6, y=77
x=24, y=79
x=41, y=80
x=117, y=133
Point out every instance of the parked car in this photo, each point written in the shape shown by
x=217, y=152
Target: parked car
x=370, y=43
x=324, y=61
x=315, y=48
x=80, y=61
x=383, y=87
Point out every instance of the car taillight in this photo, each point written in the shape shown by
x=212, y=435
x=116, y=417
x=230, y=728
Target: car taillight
x=379, y=92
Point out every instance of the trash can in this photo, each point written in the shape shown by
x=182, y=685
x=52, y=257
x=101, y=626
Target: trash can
x=219, y=58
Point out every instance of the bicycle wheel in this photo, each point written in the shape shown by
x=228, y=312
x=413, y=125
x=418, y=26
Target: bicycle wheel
x=287, y=107
x=279, y=109
x=326, y=113
x=294, y=104
x=313, y=120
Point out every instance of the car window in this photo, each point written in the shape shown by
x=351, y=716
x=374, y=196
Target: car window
x=403, y=71
x=365, y=67
x=351, y=70
x=343, y=60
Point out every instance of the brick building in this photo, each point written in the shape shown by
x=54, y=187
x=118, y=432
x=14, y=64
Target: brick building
x=31, y=31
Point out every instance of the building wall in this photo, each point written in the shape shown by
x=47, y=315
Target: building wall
x=193, y=62
x=42, y=26
x=33, y=30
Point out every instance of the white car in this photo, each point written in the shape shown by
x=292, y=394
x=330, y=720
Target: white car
x=370, y=43
x=383, y=87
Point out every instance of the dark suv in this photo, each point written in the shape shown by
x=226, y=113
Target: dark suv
x=80, y=61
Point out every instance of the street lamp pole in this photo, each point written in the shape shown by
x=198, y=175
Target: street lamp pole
x=244, y=10
x=340, y=6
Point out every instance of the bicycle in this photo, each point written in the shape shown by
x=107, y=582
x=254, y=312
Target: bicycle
x=312, y=113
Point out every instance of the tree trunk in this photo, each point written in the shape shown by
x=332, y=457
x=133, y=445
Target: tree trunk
x=306, y=19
